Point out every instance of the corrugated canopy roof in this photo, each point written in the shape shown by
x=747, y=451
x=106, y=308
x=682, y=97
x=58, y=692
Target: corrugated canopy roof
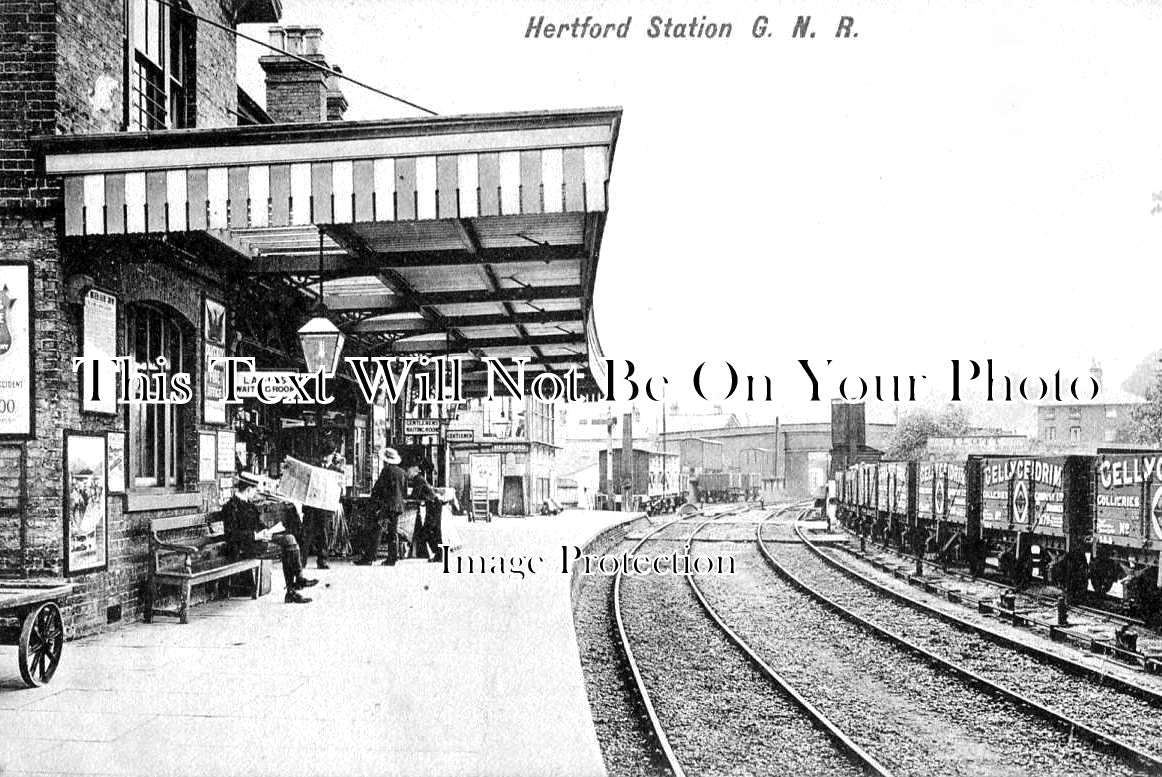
x=464, y=235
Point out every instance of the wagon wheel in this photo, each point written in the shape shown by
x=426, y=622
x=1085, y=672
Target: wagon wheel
x=1103, y=573
x=1072, y=573
x=41, y=640
x=1007, y=563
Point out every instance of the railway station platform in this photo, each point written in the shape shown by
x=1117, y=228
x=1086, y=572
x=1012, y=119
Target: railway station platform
x=389, y=671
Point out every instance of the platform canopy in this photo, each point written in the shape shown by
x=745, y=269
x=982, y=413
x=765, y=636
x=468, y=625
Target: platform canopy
x=464, y=235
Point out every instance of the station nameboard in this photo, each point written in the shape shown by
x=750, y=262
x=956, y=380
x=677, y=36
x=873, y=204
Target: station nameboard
x=460, y=435
x=1129, y=499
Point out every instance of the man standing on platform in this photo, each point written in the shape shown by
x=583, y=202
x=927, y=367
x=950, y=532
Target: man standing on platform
x=315, y=520
x=431, y=533
x=387, y=506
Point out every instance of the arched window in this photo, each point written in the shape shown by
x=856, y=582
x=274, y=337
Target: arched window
x=155, y=431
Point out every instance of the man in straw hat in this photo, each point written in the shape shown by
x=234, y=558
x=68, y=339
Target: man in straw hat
x=387, y=506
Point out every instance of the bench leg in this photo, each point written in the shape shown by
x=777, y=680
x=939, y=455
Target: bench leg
x=150, y=598
x=183, y=611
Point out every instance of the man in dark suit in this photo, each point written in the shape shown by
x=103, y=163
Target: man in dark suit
x=387, y=505
x=431, y=533
x=248, y=537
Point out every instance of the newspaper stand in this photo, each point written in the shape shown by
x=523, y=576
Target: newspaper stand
x=30, y=618
x=479, y=509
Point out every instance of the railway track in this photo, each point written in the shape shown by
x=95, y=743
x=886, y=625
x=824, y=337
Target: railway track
x=712, y=703
x=1113, y=719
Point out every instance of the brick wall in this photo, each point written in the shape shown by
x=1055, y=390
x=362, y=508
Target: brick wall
x=90, y=68
x=295, y=92
x=61, y=70
x=27, y=99
x=216, y=93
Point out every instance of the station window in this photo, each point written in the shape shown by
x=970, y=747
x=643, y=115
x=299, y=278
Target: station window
x=155, y=430
x=1050, y=415
x=1051, y=433
x=542, y=422
x=1075, y=434
x=1111, y=412
x=161, y=64
x=1111, y=435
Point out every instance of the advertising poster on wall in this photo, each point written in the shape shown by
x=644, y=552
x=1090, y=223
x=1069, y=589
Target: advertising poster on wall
x=484, y=469
x=86, y=532
x=100, y=342
x=214, y=332
x=116, y=449
x=15, y=350
x=226, y=451
x=207, y=457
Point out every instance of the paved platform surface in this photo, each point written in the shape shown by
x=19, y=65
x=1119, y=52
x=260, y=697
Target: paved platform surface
x=390, y=671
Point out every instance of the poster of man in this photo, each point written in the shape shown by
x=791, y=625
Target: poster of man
x=86, y=516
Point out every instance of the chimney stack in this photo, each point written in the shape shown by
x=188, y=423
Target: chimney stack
x=336, y=102
x=1095, y=372
x=295, y=91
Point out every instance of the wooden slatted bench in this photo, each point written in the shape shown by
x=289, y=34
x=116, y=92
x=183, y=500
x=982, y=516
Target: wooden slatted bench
x=182, y=554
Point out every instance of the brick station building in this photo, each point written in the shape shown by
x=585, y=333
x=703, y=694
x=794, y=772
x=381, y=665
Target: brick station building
x=148, y=206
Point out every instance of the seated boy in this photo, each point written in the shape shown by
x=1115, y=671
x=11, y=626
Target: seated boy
x=248, y=537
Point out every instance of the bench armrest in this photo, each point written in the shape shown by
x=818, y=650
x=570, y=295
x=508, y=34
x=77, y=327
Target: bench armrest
x=187, y=549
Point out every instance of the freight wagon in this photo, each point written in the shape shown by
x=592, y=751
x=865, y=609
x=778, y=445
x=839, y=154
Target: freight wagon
x=1077, y=521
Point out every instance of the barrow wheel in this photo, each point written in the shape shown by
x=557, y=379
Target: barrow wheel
x=41, y=639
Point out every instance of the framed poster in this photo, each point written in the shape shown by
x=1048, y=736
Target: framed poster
x=484, y=471
x=16, y=337
x=207, y=457
x=86, y=523
x=116, y=452
x=99, y=340
x=214, y=336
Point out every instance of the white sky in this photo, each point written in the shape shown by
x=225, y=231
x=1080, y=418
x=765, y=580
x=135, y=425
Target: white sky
x=962, y=181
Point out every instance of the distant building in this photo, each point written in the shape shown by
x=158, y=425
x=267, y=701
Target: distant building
x=794, y=458
x=1086, y=424
x=983, y=442
x=510, y=448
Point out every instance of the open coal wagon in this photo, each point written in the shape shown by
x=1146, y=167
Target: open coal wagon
x=30, y=618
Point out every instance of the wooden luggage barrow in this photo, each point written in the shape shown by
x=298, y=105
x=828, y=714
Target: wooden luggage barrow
x=30, y=617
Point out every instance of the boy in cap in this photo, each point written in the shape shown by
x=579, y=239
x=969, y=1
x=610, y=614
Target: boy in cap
x=248, y=537
x=387, y=506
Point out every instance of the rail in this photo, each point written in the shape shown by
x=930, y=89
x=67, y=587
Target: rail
x=859, y=756
x=1056, y=717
